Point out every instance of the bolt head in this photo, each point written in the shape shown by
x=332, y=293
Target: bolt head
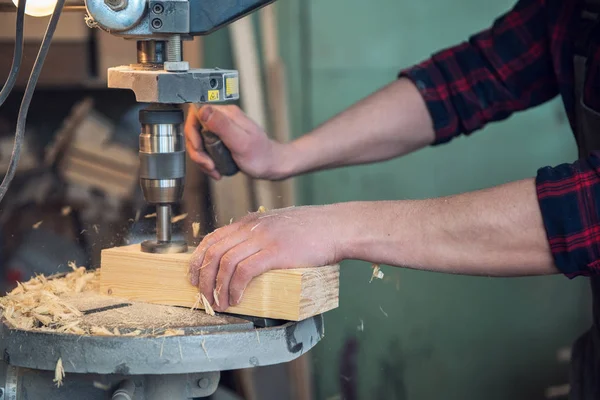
x=176, y=66
x=158, y=8
x=203, y=383
x=157, y=23
x=116, y=5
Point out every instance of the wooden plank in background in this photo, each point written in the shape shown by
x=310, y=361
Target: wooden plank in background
x=246, y=57
x=288, y=294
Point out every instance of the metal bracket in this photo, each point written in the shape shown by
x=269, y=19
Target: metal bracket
x=193, y=86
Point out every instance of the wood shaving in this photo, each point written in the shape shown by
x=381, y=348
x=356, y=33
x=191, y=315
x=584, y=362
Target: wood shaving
x=178, y=218
x=100, y=385
x=262, y=209
x=116, y=332
x=204, y=348
x=66, y=211
x=36, y=305
x=384, y=313
x=100, y=331
x=72, y=265
x=137, y=332
x=361, y=327
x=377, y=273
x=216, y=296
x=173, y=332
x=59, y=373
x=207, y=308
x=153, y=215
x=96, y=228
x=37, y=224
x=196, y=229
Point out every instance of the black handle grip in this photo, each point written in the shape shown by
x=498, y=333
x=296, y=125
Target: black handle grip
x=219, y=153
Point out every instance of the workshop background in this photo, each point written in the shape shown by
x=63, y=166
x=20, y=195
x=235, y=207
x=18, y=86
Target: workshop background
x=412, y=335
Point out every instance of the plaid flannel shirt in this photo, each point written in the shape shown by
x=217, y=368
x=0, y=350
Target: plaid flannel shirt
x=523, y=60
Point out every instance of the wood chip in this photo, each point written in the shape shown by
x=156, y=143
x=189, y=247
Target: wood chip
x=384, y=313
x=173, y=332
x=66, y=211
x=102, y=386
x=59, y=373
x=216, y=297
x=204, y=348
x=178, y=218
x=207, y=307
x=262, y=209
x=137, y=332
x=37, y=224
x=377, y=273
x=100, y=331
x=196, y=229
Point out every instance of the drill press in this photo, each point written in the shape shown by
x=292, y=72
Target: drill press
x=163, y=78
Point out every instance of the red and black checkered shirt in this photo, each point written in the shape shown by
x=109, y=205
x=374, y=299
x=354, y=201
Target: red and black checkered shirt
x=524, y=60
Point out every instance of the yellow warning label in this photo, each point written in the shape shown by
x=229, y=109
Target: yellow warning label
x=231, y=86
x=213, y=95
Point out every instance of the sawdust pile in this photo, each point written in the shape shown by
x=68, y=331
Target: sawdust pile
x=57, y=305
x=36, y=305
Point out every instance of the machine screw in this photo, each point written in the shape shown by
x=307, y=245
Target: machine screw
x=203, y=383
x=157, y=23
x=116, y=5
x=158, y=8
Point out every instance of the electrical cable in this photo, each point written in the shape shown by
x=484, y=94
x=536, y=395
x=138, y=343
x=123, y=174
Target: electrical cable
x=17, y=56
x=26, y=101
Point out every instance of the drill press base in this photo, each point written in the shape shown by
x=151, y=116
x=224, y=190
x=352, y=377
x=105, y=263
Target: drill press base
x=154, y=246
x=161, y=367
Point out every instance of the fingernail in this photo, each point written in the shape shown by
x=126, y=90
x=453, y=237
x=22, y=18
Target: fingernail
x=239, y=298
x=206, y=113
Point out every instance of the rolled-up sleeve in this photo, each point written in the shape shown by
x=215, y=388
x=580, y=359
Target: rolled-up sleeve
x=569, y=198
x=499, y=71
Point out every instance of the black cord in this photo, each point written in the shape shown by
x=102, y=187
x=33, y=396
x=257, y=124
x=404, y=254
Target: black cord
x=33, y=78
x=17, y=56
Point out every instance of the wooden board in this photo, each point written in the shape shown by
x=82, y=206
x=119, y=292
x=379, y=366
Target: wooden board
x=288, y=294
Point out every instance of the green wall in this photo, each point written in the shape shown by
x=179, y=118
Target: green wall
x=423, y=335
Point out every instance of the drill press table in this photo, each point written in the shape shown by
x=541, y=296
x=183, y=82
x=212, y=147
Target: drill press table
x=177, y=355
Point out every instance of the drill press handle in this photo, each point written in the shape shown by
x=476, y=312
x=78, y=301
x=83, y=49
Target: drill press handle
x=219, y=153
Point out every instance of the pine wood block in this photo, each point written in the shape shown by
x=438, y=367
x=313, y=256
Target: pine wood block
x=288, y=294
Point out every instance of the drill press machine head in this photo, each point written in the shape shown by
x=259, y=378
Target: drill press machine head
x=163, y=78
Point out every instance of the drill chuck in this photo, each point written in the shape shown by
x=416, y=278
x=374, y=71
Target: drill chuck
x=162, y=155
x=162, y=169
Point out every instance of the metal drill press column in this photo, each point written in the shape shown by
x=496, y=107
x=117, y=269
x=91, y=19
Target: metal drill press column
x=162, y=171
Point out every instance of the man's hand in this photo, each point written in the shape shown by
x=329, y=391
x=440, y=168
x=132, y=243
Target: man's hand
x=228, y=259
x=253, y=151
x=493, y=232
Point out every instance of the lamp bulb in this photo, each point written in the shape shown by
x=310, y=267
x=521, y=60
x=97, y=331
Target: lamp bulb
x=38, y=8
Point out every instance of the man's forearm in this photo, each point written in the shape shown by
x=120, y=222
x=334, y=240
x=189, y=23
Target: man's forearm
x=493, y=232
x=391, y=122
